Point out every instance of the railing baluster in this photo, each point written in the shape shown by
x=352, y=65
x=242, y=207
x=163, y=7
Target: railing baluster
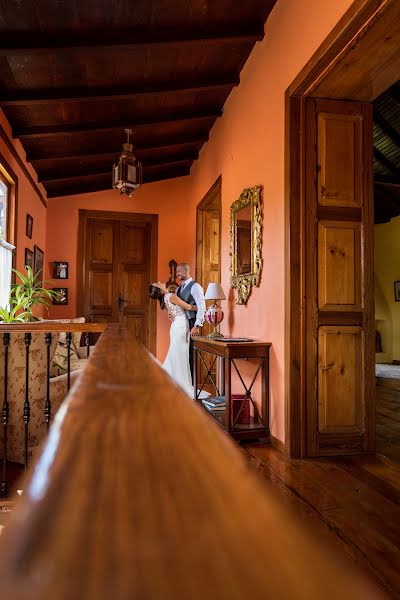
x=5, y=415
x=47, y=404
x=27, y=407
x=68, y=338
x=88, y=341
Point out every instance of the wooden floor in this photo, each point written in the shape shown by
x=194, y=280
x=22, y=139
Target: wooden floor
x=351, y=503
x=388, y=417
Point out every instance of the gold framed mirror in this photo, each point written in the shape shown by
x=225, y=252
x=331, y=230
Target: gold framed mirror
x=246, y=227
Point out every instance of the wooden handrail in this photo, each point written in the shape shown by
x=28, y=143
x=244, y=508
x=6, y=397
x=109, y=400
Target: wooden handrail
x=139, y=494
x=48, y=326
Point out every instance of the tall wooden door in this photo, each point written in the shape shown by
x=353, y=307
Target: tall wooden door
x=211, y=272
x=118, y=255
x=208, y=256
x=339, y=278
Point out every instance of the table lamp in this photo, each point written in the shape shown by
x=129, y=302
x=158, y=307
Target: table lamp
x=214, y=314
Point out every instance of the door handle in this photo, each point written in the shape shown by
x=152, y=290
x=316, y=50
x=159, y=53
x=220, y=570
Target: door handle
x=121, y=302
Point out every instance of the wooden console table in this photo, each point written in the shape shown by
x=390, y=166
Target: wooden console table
x=257, y=426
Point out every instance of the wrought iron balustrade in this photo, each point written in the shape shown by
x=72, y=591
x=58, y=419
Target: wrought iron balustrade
x=22, y=346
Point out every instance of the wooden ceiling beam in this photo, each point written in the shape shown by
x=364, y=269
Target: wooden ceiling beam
x=386, y=179
x=94, y=94
x=167, y=174
x=387, y=184
x=386, y=205
x=94, y=186
x=61, y=174
x=386, y=128
x=100, y=42
x=83, y=188
x=385, y=162
x=181, y=140
x=394, y=95
x=108, y=173
x=42, y=131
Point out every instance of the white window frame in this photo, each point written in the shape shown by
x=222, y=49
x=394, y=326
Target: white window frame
x=7, y=246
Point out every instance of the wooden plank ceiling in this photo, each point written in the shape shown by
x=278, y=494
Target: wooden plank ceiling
x=75, y=73
x=386, y=139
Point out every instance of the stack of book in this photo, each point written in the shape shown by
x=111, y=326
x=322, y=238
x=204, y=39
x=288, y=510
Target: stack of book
x=214, y=404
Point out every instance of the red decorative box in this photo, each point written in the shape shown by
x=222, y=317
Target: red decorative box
x=244, y=417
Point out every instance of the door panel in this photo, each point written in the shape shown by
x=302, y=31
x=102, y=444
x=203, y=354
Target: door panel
x=213, y=241
x=339, y=252
x=340, y=406
x=135, y=244
x=100, y=285
x=133, y=289
x=101, y=241
x=100, y=271
x=211, y=254
x=134, y=324
x=339, y=145
x=134, y=277
x=120, y=260
x=339, y=279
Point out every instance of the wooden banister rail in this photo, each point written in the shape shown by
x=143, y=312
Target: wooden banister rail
x=138, y=494
x=52, y=326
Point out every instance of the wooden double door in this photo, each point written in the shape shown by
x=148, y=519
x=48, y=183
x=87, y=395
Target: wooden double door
x=339, y=278
x=118, y=254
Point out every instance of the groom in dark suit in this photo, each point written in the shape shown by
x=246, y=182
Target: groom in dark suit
x=192, y=293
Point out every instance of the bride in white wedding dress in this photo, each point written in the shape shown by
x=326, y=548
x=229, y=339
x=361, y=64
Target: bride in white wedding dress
x=176, y=363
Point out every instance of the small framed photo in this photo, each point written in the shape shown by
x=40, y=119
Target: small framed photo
x=29, y=226
x=62, y=297
x=60, y=270
x=38, y=263
x=28, y=258
x=397, y=291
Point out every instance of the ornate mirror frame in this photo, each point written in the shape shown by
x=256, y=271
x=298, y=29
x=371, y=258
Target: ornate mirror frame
x=243, y=283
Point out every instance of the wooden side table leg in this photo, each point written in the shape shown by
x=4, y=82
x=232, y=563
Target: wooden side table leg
x=228, y=399
x=265, y=392
x=221, y=375
x=195, y=361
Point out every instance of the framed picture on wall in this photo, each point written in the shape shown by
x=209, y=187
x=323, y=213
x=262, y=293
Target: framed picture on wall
x=28, y=258
x=397, y=291
x=38, y=261
x=60, y=270
x=62, y=297
x=29, y=226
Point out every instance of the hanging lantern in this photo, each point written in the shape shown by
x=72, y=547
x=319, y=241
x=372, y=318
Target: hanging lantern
x=128, y=172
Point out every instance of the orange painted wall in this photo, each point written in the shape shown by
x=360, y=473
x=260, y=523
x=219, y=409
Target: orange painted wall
x=28, y=200
x=168, y=199
x=246, y=146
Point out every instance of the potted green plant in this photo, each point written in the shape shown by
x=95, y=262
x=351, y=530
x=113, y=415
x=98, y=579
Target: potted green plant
x=24, y=296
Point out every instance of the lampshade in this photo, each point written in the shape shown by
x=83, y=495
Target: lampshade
x=214, y=292
x=128, y=172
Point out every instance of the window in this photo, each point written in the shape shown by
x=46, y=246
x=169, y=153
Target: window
x=3, y=210
x=7, y=230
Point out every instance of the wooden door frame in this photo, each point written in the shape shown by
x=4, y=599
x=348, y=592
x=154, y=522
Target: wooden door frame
x=84, y=215
x=332, y=67
x=203, y=206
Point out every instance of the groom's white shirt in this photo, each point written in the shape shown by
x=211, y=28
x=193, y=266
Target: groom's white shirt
x=198, y=295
